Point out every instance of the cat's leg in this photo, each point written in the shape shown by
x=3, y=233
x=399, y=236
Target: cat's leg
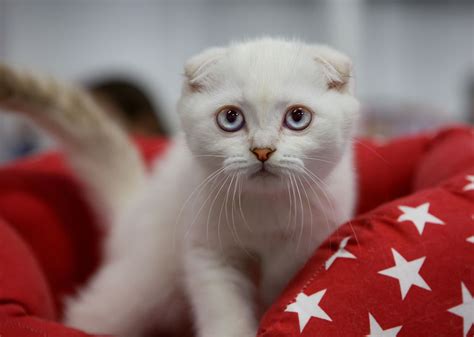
x=221, y=294
x=125, y=298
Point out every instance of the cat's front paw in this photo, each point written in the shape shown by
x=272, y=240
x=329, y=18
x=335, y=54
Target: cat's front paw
x=93, y=317
x=84, y=316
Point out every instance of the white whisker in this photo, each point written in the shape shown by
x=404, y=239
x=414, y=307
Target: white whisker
x=295, y=207
x=212, y=206
x=326, y=219
x=334, y=211
x=290, y=206
x=320, y=186
x=233, y=199
x=240, y=206
x=234, y=229
x=310, y=209
x=321, y=159
x=372, y=150
x=302, y=213
x=215, y=186
x=226, y=199
x=318, y=159
x=199, y=188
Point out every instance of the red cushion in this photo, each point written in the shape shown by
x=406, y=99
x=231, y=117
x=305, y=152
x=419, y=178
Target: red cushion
x=45, y=225
x=386, y=170
x=339, y=292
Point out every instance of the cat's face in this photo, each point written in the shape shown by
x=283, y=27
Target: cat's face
x=268, y=109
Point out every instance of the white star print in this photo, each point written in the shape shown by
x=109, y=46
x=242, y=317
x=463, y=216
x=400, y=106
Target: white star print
x=465, y=309
x=341, y=252
x=470, y=239
x=377, y=331
x=407, y=273
x=470, y=185
x=419, y=216
x=308, y=306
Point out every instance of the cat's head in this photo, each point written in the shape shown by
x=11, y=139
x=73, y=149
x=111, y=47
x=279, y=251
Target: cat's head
x=268, y=108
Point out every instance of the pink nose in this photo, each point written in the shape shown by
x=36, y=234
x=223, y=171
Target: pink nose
x=262, y=154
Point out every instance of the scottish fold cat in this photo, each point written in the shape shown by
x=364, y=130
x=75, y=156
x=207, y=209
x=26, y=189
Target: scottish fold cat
x=260, y=175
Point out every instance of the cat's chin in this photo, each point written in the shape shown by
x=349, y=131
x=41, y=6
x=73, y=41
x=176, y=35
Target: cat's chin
x=264, y=181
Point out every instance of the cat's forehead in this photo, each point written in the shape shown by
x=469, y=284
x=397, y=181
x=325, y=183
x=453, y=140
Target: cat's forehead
x=269, y=59
x=266, y=70
x=271, y=68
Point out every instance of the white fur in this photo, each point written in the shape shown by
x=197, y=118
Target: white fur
x=187, y=243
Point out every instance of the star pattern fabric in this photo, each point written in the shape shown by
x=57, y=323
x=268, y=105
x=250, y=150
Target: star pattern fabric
x=401, y=279
x=465, y=309
x=419, y=216
x=470, y=185
x=406, y=272
x=341, y=253
x=308, y=306
x=377, y=331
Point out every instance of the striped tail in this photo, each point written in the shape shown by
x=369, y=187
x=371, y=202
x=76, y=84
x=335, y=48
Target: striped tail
x=97, y=149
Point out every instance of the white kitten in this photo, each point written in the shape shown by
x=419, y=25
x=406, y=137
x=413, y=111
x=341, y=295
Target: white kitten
x=262, y=174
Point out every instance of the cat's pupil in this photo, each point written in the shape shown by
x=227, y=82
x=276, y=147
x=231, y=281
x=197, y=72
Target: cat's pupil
x=232, y=116
x=297, y=115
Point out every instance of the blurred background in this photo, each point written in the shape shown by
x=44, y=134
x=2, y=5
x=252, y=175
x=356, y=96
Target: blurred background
x=414, y=59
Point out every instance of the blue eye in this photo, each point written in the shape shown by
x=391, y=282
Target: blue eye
x=230, y=119
x=298, y=118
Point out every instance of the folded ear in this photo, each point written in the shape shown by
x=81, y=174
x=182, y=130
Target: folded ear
x=337, y=68
x=197, y=69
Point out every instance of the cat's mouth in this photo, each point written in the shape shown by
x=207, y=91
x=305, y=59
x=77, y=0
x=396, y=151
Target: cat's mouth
x=263, y=172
